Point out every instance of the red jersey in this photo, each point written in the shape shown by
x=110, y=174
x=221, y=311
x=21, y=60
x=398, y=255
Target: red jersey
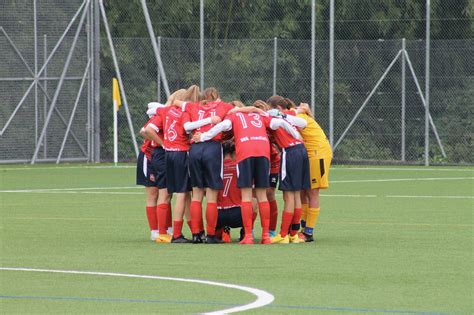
x=175, y=137
x=283, y=139
x=274, y=160
x=157, y=121
x=147, y=147
x=230, y=196
x=250, y=135
x=198, y=111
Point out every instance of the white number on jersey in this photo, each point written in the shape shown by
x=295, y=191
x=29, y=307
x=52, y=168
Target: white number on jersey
x=171, y=134
x=227, y=180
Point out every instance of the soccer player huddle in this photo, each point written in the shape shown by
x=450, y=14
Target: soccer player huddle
x=198, y=147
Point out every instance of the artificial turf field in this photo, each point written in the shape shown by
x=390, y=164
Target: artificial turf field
x=388, y=240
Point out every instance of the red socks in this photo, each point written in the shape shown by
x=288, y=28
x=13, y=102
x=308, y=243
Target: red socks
x=211, y=218
x=196, y=216
x=177, y=228
x=295, y=222
x=151, y=216
x=286, y=219
x=246, y=210
x=273, y=214
x=264, y=210
x=162, y=213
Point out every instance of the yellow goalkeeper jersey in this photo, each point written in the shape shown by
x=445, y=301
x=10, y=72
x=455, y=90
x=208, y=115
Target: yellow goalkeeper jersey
x=315, y=139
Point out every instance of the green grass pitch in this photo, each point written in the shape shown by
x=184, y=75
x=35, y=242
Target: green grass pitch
x=389, y=240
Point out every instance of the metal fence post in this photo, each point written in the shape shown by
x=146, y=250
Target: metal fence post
x=313, y=52
x=90, y=57
x=96, y=85
x=331, y=73
x=275, y=47
x=35, y=48
x=158, y=80
x=45, y=99
x=427, y=85
x=201, y=43
x=403, y=100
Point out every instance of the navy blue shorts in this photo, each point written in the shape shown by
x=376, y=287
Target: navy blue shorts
x=177, y=180
x=159, y=167
x=145, y=175
x=294, y=169
x=253, y=172
x=231, y=217
x=205, y=165
x=273, y=180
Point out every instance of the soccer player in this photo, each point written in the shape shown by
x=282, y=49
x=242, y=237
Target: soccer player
x=176, y=144
x=294, y=175
x=320, y=155
x=163, y=208
x=145, y=176
x=274, y=174
x=253, y=162
x=229, y=198
x=205, y=160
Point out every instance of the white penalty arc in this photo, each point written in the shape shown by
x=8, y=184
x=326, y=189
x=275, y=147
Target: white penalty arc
x=263, y=297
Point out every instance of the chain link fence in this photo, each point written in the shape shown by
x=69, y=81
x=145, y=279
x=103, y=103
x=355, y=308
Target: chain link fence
x=253, y=49
x=34, y=44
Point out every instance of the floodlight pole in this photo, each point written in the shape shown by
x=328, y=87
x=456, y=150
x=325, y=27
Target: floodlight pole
x=427, y=85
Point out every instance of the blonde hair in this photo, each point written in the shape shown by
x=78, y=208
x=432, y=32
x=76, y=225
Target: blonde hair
x=193, y=94
x=210, y=94
x=176, y=95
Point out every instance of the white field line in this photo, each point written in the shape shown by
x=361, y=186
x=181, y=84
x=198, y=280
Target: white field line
x=401, y=169
x=68, y=189
x=350, y=196
x=430, y=197
x=263, y=297
x=65, y=167
x=400, y=179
